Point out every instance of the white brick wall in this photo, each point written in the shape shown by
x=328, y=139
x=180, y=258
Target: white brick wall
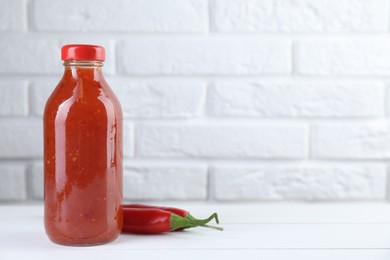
x=221, y=141
x=158, y=182
x=201, y=55
x=352, y=141
x=12, y=15
x=13, y=98
x=314, y=99
x=301, y=16
x=339, y=182
x=21, y=138
x=121, y=15
x=223, y=99
x=13, y=184
x=160, y=98
x=363, y=57
x=35, y=180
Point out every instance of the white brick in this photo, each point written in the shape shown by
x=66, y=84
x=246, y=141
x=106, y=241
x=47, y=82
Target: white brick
x=145, y=182
x=13, y=98
x=300, y=16
x=121, y=15
x=205, y=55
x=164, y=182
x=296, y=99
x=40, y=92
x=352, y=140
x=352, y=182
x=39, y=56
x=343, y=57
x=221, y=141
x=128, y=139
x=12, y=15
x=13, y=183
x=21, y=138
x=159, y=98
x=35, y=181
x=29, y=55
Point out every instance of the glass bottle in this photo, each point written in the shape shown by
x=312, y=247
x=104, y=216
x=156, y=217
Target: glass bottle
x=83, y=153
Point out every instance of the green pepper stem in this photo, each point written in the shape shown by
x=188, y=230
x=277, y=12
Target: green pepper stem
x=202, y=221
x=189, y=221
x=212, y=227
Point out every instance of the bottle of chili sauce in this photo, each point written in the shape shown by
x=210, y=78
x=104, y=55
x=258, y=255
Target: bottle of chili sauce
x=83, y=153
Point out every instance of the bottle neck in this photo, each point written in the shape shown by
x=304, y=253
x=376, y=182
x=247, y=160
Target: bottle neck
x=84, y=69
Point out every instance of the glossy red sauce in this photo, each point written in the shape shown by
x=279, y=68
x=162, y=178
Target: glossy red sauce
x=83, y=160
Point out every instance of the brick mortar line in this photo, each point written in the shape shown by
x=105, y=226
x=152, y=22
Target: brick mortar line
x=28, y=172
x=231, y=121
x=204, y=104
x=271, y=78
x=210, y=184
x=386, y=102
x=388, y=183
x=26, y=21
x=252, y=34
x=388, y=16
x=30, y=100
x=254, y=121
x=266, y=78
x=225, y=161
x=135, y=140
x=282, y=36
x=310, y=142
x=210, y=16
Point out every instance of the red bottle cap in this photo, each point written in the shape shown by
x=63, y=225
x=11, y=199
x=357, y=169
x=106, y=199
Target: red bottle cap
x=83, y=52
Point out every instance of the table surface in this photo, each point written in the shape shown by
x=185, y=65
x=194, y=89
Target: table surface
x=252, y=231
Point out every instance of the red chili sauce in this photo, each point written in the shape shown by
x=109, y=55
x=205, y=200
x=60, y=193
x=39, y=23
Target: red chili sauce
x=83, y=158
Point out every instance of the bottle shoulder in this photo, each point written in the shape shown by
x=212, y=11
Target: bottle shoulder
x=82, y=99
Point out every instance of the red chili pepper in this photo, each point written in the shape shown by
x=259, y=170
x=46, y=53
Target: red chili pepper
x=181, y=212
x=177, y=211
x=155, y=221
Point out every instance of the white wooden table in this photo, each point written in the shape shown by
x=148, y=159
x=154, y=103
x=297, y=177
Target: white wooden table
x=252, y=231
